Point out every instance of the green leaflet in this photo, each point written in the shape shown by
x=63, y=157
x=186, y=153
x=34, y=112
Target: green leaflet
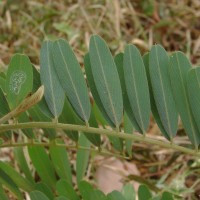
x=42, y=187
x=97, y=98
x=4, y=109
x=117, y=143
x=167, y=196
x=2, y=83
x=71, y=78
x=42, y=165
x=128, y=192
x=36, y=195
x=6, y=181
x=144, y=193
x=93, y=138
x=61, y=162
x=97, y=195
x=93, y=89
x=128, y=128
x=38, y=116
x=19, y=180
x=69, y=116
x=179, y=67
x=193, y=89
x=127, y=106
x=82, y=157
x=85, y=189
x=22, y=163
x=162, y=90
x=98, y=116
x=89, y=193
x=106, y=79
x=115, y=195
x=137, y=86
x=42, y=104
x=53, y=91
x=152, y=100
x=65, y=189
x=19, y=81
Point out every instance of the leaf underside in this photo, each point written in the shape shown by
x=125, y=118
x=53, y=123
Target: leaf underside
x=127, y=107
x=179, y=67
x=106, y=79
x=137, y=86
x=193, y=88
x=53, y=91
x=162, y=91
x=71, y=78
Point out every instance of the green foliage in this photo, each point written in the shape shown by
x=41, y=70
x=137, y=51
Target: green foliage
x=154, y=109
x=179, y=68
x=144, y=193
x=43, y=165
x=162, y=92
x=137, y=86
x=71, y=78
x=109, y=89
x=54, y=93
x=193, y=88
x=126, y=88
x=126, y=102
x=82, y=158
x=19, y=81
x=35, y=195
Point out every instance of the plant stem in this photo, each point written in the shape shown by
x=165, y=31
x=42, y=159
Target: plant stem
x=133, y=137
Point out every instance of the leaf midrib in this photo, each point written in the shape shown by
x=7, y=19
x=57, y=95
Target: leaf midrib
x=163, y=94
x=136, y=94
x=76, y=94
x=106, y=84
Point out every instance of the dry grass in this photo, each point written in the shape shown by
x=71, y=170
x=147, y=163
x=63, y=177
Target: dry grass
x=173, y=23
